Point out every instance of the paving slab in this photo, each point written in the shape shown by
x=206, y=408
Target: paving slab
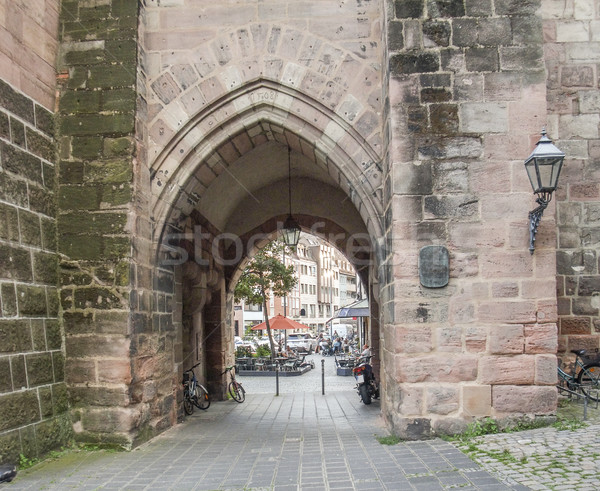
x=304, y=440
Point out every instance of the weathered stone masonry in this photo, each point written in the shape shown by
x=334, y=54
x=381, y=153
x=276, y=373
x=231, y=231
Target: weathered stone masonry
x=416, y=114
x=33, y=395
x=467, y=97
x=99, y=299
x=572, y=56
x=33, y=398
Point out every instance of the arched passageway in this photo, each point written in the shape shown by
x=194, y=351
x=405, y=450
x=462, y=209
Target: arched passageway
x=218, y=193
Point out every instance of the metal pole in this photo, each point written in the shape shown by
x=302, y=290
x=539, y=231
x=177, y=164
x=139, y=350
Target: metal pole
x=277, y=379
x=323, y=376
x=284, y=309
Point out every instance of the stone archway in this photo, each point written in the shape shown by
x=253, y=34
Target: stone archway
x=434, y=104
x=191, y=179
x=217, y=100
x=218, y=136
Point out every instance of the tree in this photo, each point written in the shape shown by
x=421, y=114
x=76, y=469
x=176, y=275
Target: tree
x=266, y=273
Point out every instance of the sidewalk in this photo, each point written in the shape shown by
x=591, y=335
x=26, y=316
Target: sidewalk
x=290, y=442
x=303, y=440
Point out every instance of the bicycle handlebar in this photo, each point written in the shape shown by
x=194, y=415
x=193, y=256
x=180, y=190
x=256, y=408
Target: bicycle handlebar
x=232, y=367
x=190, y=369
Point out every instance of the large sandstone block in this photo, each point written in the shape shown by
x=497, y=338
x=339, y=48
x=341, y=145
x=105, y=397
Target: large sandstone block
x=511, y=399
x=477, y=400
x=105, y=420
x=506, y=339
x=97, y=346
x=442, y=400
x=411, y=400
x=455, y=368
x=545, y=370
x=484, y=117
x=507, y=370
x=541, y=338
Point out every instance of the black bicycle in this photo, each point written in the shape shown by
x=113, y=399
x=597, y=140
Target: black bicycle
x=235, y=389
x=194, y=393
x=584, y=376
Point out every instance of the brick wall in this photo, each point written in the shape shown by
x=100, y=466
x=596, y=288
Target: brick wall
x=33, y=395
x=572, y=54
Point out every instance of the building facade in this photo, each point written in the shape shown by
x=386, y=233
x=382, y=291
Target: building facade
x=326, y=281
x=146, y=150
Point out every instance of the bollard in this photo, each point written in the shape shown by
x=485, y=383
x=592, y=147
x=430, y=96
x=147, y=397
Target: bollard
x=323, y=377
x=585, y=404
x=277, y=380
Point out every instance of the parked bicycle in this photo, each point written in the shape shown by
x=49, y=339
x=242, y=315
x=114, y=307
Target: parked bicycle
x=236, y=391
x=584, y=376
x=194, y=393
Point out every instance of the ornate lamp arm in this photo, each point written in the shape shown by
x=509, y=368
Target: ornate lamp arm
x=535, y=216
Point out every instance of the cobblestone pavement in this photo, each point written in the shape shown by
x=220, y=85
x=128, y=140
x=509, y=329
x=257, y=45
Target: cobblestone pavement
x=304, y=440
x=562, y=457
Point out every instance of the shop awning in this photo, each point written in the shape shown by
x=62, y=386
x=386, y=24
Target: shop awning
x=359, y=308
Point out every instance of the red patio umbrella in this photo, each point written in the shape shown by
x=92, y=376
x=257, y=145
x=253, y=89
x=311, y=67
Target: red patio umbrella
x=280, y=322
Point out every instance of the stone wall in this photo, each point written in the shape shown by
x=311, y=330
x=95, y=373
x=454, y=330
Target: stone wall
x=467, y=103
x=28, y=49
x=572, y=54
x=96, y=125
x=33, y=395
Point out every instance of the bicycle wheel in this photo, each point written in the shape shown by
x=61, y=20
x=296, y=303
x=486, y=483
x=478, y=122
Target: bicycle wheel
x=236, y=391
x=588, y=379
x=202, y=399
x=188, y=405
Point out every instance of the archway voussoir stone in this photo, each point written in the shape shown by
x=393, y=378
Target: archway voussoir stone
x=242, y=142
x=228, y=152
x=350, y=108
x=192, y=101
x=161, y=132
x=273, y=68
x=212, y=88
x=313, y=82
x=291, y=40
x=292, y=75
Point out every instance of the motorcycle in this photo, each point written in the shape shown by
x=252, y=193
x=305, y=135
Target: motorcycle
x=7, y=473
x=366, y=385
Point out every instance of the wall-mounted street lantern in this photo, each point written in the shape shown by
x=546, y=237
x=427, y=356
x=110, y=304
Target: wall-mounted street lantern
x=291, y=229
x=543, y=168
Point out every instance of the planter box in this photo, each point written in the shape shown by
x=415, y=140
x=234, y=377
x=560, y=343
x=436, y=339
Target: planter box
x=271, y=373
x=344, y=371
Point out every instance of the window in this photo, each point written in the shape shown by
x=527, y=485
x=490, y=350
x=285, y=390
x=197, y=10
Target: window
x=253, y=308
x=312, y=309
